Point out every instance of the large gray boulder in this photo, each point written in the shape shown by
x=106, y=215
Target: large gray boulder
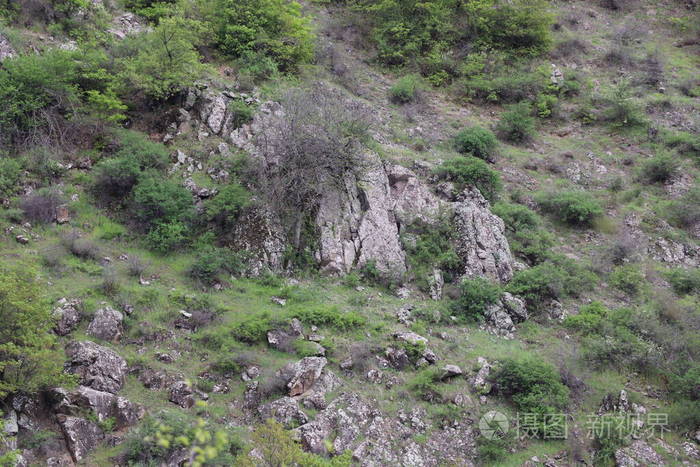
x=303, y=374
x=82, y=436
x=285, y=410
x=67, y=315
x=481, y=239
x=107, y=325
x=98, y=367
x=103, y=404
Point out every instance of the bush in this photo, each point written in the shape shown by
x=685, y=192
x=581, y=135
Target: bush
x=166, y=236
x=241, y=113
x=275, y=28
x=470, y=171
x=658, y=169
x=684, y=142
x=226, y=206
x=628, y=278
x=685, y=211
x=476, y=295
x=589, y=319
x=35, y=91
x=30, y=358
x=553, y=279
x=617, y=434
x=328, y=316
x=516, y=216
x=425, y=384
x=115, y=178
x=476, y=141
x=621, y=109
x=576, y=208
x=42, y=205
x=684, y=281
x=207, y=265
x=10, y=172
x=158, y=200
x=516, y=124
x=252, y=330
x=535, y=387
x=406, y=89
x=163, y=61
x=430, y=246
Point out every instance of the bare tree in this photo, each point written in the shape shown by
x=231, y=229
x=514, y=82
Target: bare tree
x=315, y=146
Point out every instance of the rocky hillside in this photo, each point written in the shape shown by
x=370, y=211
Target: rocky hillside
x=349, y=232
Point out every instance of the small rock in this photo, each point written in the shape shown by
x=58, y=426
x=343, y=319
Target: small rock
x=21, y=239
x=450, y=371
x=181, y=394
x=106, y=325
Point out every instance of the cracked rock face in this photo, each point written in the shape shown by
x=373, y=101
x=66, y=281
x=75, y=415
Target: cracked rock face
x=106, y=325
x=98, y=367
x=304, y=374
x=482, y=242
x=6, y=49
x=103, y=404
x=82, y=436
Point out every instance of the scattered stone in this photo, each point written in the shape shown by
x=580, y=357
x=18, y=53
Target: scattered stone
x=67, y=316
x=304, y=373
x=98, y=367
x=107, y=325
x=103, y=404
x=451, y=371
x=638, y=454
x=82, y=436
x=403, y=293
x=22, y=239
x=181, y=394
x=285, y=410
x=279, y=301
x=480, y=381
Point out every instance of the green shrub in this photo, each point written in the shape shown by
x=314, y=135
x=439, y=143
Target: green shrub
x=534, y=245
x=151, y=9
x=328, y=316
x=516, y=124
x=406, y=89
x=617, y=433
x=137, y=146
x=429, y=246
x=628, y=278
x=685, y=211
x=684, y=415
x=493, y=451
x=589, y=319
x=159, y=200
x=684, y=142
x=252, y=330
x=275, y=28
x=476, y=295
x=576, y=208
x=658, y=169
x=304, y=348
x=502, y=83
x=163, y=61
x=35, y=90
x=476, y=141
x=516, y=216
x=621, y=109
x=546, y=105
x=553, y=279
x=115, y=178
x=425, y=384
x=207, y=265
x=30, y=358
x=10, y=173
x=535, y=387
x=684, y=281
x=224, y=209
x=470, y=171
x=241, y=113
x=166, y=236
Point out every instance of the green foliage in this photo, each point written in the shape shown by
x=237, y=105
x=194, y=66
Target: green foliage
x=10, y=173
x=30, y=359
x=685, y=211
x=684, y=142
x=166, y=236
x=159, y=200
x=525, y=236
x=628, y=278
x=223, y=210
x=328, y=316
x=534, y=386
x=546, y=105
x=684, y=281
x=476, y=295
x=470, y=171
x=516, y=124
x=275, y=28
x=476, y=141
x=210, y=261
x=33, y=89
x=589, y=319
x=617, y=434
x=493, y=451
x=516, y=216
x=621, y=109
x=659, y=169
x=252, y=330
x=425, y=384
x=164, y=61
x=577, y=208
x=160, y=435
x=241, y=113
x=151, y=9
x=553, y=279
x=430, y=246
x=406, y=89
x=492, y=79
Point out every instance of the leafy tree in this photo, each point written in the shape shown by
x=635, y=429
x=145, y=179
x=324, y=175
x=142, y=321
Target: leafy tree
x=165, y=60
x=225, y=207
x=274, y=27
x=29, y=357
x=35, y=91
x=161, y=200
